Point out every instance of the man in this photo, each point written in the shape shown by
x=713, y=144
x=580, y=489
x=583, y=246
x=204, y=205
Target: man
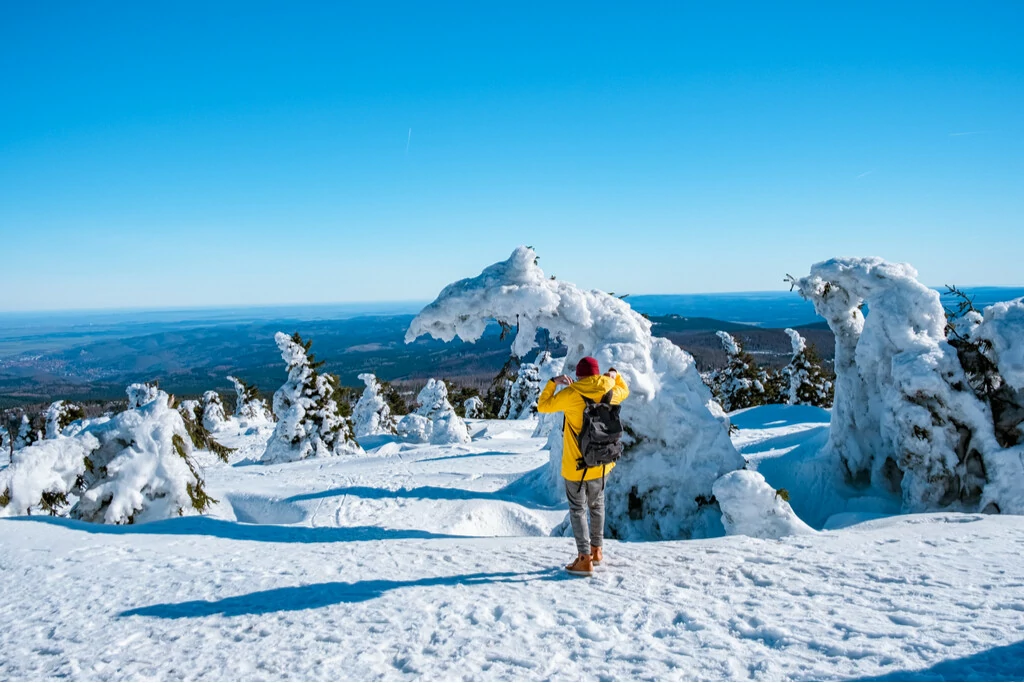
x=592, y=384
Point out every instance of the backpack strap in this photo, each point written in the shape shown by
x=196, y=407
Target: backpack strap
x=580, y=488
x=607, y=398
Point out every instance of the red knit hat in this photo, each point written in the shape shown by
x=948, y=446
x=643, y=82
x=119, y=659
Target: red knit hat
x=587, y=366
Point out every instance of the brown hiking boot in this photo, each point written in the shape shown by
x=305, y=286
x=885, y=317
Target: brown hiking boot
x=596, y=554
x=582, y=566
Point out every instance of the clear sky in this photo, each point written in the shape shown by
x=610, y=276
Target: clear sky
x=182, y=154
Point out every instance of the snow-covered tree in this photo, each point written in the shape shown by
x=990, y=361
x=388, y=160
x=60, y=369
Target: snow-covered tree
x=521, y=397
x=192, y=414
x=662, y=486
x=372, y=414
x=136, y=466
x=141, y=393
x=213, y=411
x=435, y=420
x=24, y=435
x=905, y=416
x=548, y=368
x=309, y=421
x=59, y=415
x=473, y=407
x=741, y=383
x=807, y=382
x=250, y=408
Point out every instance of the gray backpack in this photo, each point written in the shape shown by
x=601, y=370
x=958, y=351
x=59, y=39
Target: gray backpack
x=600, y=436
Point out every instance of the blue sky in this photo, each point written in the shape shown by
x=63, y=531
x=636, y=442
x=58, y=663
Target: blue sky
x=182, y=154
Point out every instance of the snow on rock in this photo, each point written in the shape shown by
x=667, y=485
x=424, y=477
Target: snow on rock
x=136, y=466
x=473, y=406
x=904, y=415
x=250, y=409
x=750, y=507
x=445, y=426
x=1003, y=328
x=213, y=411
x=660, y=488
x=309, y=424
x=372, y=414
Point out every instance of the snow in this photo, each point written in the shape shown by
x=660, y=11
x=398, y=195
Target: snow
x=213, y=411
x=439, y=423
x=750, y=507
x=432, y=563
x=250, y=409
x=682, y=449
x=904, y=416
x=473, y=407
x=1003, y=327
x=371, y=414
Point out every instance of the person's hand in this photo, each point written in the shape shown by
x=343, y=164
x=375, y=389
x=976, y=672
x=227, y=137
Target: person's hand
x=612, y=372
x=563, y=380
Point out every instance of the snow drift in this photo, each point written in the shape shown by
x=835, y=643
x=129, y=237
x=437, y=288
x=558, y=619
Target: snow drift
x=905, y=418
x=750, y=507
x=662, y=487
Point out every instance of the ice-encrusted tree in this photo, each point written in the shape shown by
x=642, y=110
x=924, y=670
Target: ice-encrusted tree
x=213, y=411
x=309, y=421
x=905, y=417
x=133, y=467
x=473, y=407
x=192, y=414
x=662, y=486
x=807, y=382
x=741, y=383
x=59, y=415
x=372, y=414
x=435, y=420
x=250, y=408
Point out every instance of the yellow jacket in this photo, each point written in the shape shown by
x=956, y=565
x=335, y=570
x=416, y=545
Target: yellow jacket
x=570, y=401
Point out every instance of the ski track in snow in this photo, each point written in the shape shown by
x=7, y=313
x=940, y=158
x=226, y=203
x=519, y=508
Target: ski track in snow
x=411, y=562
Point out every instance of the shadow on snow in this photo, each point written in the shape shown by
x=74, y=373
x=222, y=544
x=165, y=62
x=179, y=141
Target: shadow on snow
x=293, y=598
x=422, y=492
x=997, y=664
x=219, y=528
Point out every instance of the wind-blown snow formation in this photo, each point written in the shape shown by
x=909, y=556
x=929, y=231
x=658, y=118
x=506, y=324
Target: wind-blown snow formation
x=136, y=466
x=904, y=415
x=750, y=507
x=435, y=420
x=662, y=487
x=309, y=424
x=372, y=414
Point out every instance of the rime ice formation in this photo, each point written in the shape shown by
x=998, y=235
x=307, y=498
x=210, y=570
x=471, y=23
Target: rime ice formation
x=662, y=487
x=904, y=416
x=309, y=424
x=750, y=507
x=136, y=466
x=371, y=414
x=58, y=416
x=1003, y=328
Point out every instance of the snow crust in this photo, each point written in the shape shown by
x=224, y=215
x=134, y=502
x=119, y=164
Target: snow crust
x=372, y=414
x=904, y=415
x=751, y=507
x=682, y=447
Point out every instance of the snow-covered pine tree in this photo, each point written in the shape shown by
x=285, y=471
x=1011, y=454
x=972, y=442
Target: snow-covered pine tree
x=741, y=383
x=520, y=400
x=473, y=407
x=59, y=415
x=133, y=467
x=141, y=393
x=372, y=414
x=192, y=413
x=250, y=408
x=807, y=381
x=494, y=399
x=309, y=421
x=213, y=411
x=435, y=419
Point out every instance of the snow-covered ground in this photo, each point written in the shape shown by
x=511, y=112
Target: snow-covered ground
x=431, y=562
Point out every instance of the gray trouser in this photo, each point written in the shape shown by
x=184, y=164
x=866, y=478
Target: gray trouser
x=590, y=496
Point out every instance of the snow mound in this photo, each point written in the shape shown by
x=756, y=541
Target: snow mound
x=750, y=507
x=904, y=417
x=661, y=487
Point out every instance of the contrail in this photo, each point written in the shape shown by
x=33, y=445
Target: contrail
x=408, y=140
